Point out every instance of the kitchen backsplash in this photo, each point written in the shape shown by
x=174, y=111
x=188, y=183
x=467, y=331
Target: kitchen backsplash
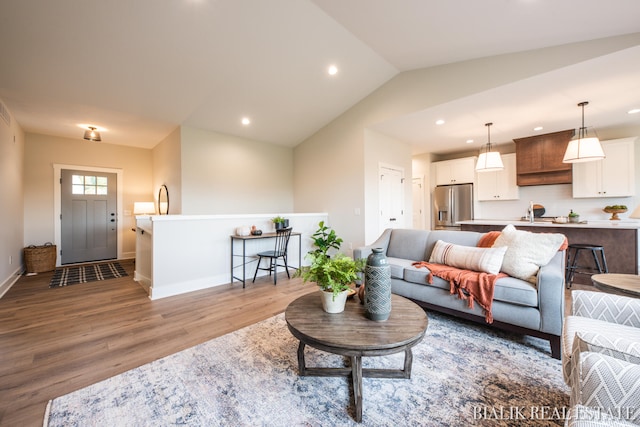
x=557, y=201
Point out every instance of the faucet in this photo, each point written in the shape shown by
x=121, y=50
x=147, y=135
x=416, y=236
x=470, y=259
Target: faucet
x=531, y=216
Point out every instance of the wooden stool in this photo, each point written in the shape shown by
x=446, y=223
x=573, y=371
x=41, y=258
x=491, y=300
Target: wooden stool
x=573, y=251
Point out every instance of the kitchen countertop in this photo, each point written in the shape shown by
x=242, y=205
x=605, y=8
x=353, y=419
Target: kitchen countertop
x=607, y=224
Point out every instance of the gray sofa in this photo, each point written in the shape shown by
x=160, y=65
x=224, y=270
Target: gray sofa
x=518, y=306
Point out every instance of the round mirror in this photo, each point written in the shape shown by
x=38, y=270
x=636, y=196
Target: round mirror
x=163, y=200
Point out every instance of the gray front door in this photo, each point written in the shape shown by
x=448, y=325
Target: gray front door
x=89, y=216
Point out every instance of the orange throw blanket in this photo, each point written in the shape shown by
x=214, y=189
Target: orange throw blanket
x=470, y=285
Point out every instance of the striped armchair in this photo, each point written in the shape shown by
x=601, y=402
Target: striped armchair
x=601, y=359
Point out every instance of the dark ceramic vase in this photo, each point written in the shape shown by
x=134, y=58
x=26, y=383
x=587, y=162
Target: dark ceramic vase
x=377, y=283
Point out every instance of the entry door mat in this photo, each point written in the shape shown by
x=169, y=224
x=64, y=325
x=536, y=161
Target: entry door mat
x=86, y=273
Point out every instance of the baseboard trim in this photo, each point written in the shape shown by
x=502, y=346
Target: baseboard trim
x=157, y=292
x=10, y=281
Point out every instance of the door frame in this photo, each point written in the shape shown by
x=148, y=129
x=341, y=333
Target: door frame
x=57, y=203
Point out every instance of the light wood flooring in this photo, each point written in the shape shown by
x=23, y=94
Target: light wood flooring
x=55, y=341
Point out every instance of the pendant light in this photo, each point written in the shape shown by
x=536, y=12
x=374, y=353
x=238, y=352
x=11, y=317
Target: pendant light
x=489, y=160
x=583, y=148
x=92, y=134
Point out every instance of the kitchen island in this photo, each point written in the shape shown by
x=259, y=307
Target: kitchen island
x=619, y=239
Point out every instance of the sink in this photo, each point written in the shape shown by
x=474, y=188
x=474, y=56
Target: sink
x=543, y=219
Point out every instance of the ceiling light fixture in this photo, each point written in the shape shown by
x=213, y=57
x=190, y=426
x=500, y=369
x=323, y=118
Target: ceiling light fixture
x=440, y=122
x=92, y=134
x=333, y=70
x=246, y=121
x=583, y=148
x=489, y=160
x=634, y=111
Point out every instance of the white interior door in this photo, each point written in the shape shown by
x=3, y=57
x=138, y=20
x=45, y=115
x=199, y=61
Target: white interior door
x=418, y=203
x=88, y=216
x=391, y=198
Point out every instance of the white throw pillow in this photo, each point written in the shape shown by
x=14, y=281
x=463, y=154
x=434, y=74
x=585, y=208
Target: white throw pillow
x=487, y=260
x=527, y=251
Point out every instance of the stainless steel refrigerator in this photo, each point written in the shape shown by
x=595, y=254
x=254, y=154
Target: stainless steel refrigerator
x=452, y=203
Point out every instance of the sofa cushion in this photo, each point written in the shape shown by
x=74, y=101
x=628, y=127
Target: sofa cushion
x=618, y=346
x=527, y=251
x=417, y=275
x=488, y=260
x=407, y=244
x=507, y=289
x=515, y=291
x=575, y=324
x=398, y=265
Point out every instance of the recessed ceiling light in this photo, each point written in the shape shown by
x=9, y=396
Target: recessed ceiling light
x=246, y=121
x=538, y=128
x=634, y=111
x=469, y=141
x=440, y=122
x=333, y=70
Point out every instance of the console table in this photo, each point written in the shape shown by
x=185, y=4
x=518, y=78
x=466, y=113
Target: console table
x=243, y=255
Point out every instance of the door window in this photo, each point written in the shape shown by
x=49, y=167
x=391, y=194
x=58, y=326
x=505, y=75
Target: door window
x=87, y=184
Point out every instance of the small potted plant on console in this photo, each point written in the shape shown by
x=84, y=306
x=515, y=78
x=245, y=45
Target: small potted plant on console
x=280, y=222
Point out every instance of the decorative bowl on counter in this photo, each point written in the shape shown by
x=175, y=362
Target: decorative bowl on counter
x=614, y=211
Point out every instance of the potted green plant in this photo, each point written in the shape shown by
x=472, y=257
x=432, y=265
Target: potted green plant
x=574, y=217
x=278, y=222
x=325, y=239
x=333, y=276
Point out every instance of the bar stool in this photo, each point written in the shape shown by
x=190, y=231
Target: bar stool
x=573, y=252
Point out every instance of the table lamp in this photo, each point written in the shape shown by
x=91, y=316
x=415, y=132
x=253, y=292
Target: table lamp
x=635, y=213
x=144, y=208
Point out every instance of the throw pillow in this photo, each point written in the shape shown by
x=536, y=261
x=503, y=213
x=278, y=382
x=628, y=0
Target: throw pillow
x=527, y=251
x=487, y=260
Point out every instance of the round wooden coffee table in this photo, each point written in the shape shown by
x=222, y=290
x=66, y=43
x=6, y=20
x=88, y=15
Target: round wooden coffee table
x=351, y=334
x=627, y=284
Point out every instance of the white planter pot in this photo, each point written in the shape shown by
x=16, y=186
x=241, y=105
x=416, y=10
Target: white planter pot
x=333, y=306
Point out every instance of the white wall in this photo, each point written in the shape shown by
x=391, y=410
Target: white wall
x=43, y=151
x=381, y=150
x=184, y=253
x=11, y=194
x=167, y=170
x=223, y=174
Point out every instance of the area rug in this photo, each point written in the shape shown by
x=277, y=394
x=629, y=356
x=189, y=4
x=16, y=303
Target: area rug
x=463, y=374
x=86, y=273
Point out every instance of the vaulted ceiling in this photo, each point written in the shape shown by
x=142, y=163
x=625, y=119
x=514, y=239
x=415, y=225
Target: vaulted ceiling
x=137, y=69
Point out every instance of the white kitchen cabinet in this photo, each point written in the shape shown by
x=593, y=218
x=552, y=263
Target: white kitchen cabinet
x=457, y=171
x=499, y=185
x=614, y=176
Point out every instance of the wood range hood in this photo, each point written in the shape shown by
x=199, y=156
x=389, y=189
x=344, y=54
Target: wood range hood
x=539, y=159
